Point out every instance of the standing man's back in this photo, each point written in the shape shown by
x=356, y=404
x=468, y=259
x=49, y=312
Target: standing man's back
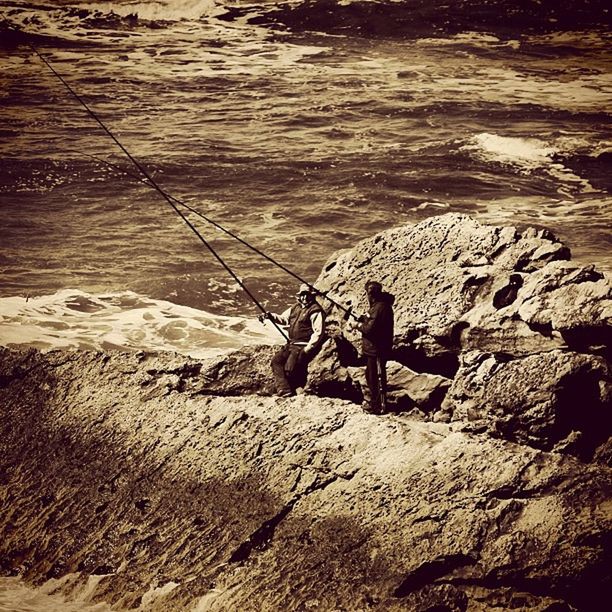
x=377, y=342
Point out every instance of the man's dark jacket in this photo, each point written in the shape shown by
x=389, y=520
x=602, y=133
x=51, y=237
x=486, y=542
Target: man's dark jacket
x=377, y=330
x=300, y=327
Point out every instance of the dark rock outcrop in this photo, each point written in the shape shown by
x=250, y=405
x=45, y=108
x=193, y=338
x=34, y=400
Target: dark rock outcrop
x=524, y=333
x=557, y=400
x=124, y=483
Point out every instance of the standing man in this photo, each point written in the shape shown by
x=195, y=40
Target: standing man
x=305, y=330
x=377, y=341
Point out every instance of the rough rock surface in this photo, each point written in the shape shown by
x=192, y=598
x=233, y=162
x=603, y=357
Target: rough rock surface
x=461, y=289
x=121, y=480
x=460, y=285
x=407, y=389
x=242, y=372
x=559, y=399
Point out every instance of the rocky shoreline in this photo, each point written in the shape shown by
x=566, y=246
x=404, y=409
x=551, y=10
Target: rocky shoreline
x=495, y=327
x=158, y=482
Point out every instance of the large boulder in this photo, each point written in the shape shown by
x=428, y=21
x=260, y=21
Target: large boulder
x=246, y=371
x=329, y=372
x=555, y=400
x=460, y=285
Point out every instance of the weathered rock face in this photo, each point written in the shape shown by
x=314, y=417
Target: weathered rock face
x=569, y=411
x=537, y=326
x=242, y=372
x=460, y=285
x=407, y=389
x=117, y=467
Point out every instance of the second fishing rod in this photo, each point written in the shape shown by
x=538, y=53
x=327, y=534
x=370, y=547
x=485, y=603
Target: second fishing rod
x=147, y=179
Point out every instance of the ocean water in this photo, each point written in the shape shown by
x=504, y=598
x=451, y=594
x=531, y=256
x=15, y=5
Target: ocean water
x=302, y=127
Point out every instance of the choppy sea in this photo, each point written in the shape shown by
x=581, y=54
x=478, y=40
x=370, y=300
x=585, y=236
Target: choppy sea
x=301, y=126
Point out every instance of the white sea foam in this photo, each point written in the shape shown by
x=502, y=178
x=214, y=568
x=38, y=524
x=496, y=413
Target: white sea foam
x=16, y=596
x=476, y=39
x=170, y=10
x=156, y=592
x=72, y=319
x=528, y=155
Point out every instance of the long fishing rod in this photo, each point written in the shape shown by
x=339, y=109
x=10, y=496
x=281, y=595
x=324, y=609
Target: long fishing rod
x=149, y=181
x=144, y=181
x=157, y=188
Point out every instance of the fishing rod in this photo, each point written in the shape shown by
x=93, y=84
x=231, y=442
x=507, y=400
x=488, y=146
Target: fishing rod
x=158, y=189
x=324, y=294
x=151, y=183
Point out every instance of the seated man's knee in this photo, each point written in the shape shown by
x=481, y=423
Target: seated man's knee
x=279, y=359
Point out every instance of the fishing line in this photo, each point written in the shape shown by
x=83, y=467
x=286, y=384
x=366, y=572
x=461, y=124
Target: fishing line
x=148, y=180
x=158, y=189
x=253, y=248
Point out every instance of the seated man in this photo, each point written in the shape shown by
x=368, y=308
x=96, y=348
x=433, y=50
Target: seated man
x=305, y=330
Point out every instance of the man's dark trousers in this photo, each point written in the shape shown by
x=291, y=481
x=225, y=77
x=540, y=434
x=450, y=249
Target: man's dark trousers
x=376, y=377
x=289, y=367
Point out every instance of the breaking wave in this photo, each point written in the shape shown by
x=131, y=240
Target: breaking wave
x=169, y=10
x=528, y=155
x=387, y=18
x=403, y=18
x=72, y=319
